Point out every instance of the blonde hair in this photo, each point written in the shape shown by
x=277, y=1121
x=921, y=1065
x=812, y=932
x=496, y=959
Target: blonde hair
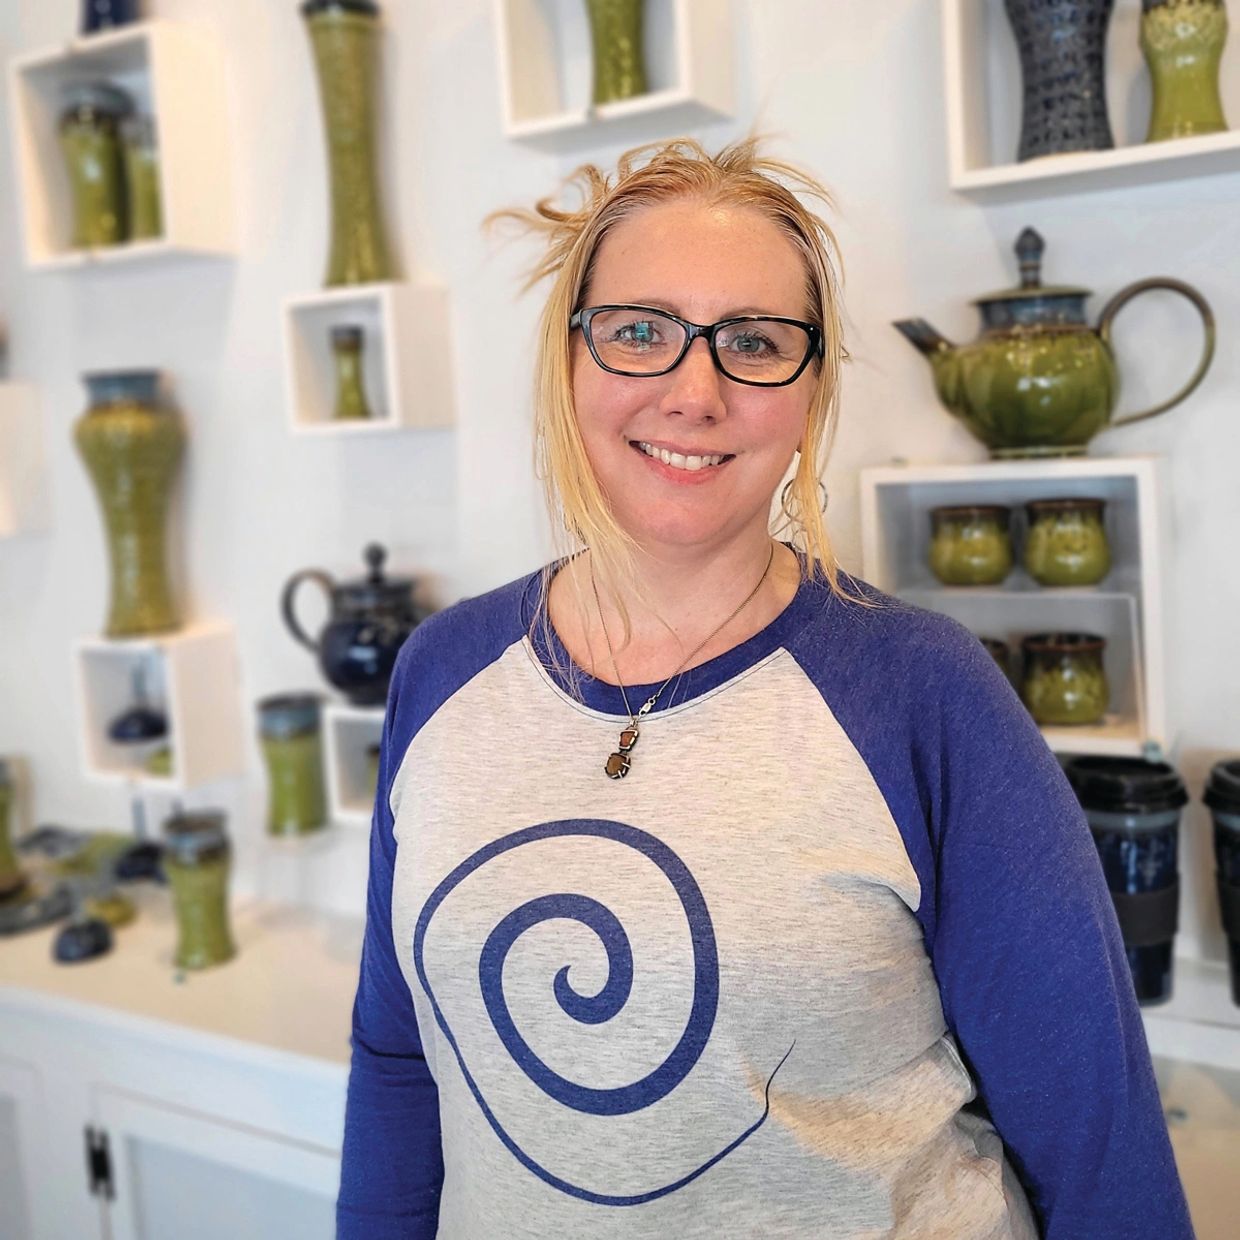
x=657, y=173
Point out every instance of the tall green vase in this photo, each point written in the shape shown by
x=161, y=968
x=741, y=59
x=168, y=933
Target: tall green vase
x=1182, y=41
x=343, y=35
x=616, y=39
x=132, y=447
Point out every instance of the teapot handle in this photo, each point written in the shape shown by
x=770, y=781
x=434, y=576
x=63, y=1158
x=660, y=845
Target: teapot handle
x=286, y=603
x=1125, y=295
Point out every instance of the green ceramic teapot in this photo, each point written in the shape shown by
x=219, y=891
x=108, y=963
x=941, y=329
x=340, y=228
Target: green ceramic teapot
x=1039, y=381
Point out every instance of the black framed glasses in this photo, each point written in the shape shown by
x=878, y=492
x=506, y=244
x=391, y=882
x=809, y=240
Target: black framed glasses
x=641, y=342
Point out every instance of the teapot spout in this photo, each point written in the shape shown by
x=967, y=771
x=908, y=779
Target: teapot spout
x=926, y=339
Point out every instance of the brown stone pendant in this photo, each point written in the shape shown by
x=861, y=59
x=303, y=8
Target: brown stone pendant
x=628, y=738
x=618, y=765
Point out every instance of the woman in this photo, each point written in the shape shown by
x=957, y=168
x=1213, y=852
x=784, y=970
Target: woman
x=712, y=892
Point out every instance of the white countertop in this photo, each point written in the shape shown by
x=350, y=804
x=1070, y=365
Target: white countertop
x=288, y=991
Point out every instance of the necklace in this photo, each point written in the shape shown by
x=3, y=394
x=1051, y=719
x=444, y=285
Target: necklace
x=618, y=763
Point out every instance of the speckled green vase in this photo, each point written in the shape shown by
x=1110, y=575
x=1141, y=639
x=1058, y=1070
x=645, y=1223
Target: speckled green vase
x=132, y=448
x=1064, y=683
x=11, y=879
x=197, y=861
x=343, y=36
x=1182, y=41
x=616, y=40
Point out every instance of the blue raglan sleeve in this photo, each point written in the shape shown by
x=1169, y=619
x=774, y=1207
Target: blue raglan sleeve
x=1031, y=966
x=392, y=1167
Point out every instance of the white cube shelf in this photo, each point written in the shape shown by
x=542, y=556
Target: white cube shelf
x=23, y=492
x=546, y=69
x=175, y=75
x=405, y=357
x=1125, y=608
x=192, y=675
x=982, y=85
x=349, y=732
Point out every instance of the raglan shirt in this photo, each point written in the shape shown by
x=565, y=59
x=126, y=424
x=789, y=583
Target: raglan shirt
x=836, y=958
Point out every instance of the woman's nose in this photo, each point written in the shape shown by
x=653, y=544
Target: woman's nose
x=695, y=387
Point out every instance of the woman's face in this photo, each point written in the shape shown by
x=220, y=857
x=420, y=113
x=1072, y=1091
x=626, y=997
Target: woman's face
x=704, y=263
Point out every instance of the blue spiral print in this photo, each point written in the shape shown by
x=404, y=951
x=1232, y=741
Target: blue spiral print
x=589, y=1009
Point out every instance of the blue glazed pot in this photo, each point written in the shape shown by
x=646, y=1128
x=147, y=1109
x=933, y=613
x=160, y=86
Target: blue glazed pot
x=1063, y=67
x=104, y=14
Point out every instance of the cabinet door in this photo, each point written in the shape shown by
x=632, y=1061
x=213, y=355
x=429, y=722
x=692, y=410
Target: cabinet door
x=21, y=1138
x=180, y=1173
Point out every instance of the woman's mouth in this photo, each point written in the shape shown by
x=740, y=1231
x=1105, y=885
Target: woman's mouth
x=690, y=463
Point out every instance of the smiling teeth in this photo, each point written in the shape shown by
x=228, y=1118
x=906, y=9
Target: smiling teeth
x=677, y=461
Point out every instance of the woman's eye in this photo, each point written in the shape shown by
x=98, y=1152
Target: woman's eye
x=752, y=343
x=640, y=331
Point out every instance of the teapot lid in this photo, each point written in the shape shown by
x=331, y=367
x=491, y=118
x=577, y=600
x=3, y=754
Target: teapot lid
x=1029, y=246
x=376, y=589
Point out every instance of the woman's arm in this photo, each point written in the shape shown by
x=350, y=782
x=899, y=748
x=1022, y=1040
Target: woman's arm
x=392, y=1168
x=1033, y=976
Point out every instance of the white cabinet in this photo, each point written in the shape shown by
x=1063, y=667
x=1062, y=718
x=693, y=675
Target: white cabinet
x=982, y=87
x=1125, y=608
x=213, y=1102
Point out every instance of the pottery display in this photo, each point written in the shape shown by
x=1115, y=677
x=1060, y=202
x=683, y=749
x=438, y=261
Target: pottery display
x=144, y=209
x=105, y=14
x=290, y=733
x=1066, y=543
x=1133, y=808
x=369, y=621
x=616, y=44
x=1039, y=380
x=1222, y=796
x=351, y=403
x=1182, y=41
x=343, y=34
x=197, y=860
x=970, y=545
x=132, y=445
x=1064, y=681
x=1062, y=46
x=90, y=144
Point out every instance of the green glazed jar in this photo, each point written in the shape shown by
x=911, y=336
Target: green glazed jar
x=11, y=878
x=970, y=545
x=90, y=143
x=197, y=860
x=351, y=402
x=1067, y=542
x=132, y=448
x=1182, y=41
x=1064, y=680
x=343, y=36
x=145, y=213
x=616, y=41
x=291, y=737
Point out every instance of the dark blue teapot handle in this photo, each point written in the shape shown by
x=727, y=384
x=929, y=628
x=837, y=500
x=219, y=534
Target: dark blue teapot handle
x=286, y=603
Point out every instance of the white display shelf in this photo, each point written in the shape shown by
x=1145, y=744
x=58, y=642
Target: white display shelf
x=23, y=493
x=348, y=733
x=175, y=75
x=982, y=82
x=405, y=357
x=192, y=676
x=545, y=69
x=1125, y=608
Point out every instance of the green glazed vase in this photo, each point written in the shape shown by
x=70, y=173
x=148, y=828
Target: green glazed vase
x=351, y=403
x=970, y=545
x=290, y=733
x=1039, y=380
x=343, y=36
x=616, y=42
x=1182, y=41
x=197, y=861
x=11, y=878
x=132, y=448
x=1067, y=543
x=90, y=145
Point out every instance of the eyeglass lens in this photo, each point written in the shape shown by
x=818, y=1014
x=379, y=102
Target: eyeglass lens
x=644, y=342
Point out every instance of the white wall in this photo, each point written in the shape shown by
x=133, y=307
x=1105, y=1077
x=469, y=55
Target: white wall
x=853, y=89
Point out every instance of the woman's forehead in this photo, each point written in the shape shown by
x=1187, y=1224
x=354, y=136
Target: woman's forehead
x=686, y=247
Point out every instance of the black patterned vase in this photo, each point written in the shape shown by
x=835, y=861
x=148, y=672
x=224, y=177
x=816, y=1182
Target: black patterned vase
x=1063, y=68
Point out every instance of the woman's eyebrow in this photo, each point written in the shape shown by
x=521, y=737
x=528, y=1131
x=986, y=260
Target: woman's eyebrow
x=659, y=303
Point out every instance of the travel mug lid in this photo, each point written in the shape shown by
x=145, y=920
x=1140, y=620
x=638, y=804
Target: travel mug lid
x=1223, y=787
x=283, y=716
x=190, y=836
x=1125, y=785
